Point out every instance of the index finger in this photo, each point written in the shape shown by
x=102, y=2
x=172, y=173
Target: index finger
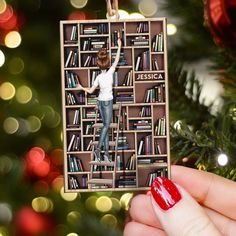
x=208, y=189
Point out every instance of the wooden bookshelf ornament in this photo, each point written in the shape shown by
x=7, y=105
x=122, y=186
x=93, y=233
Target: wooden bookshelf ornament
x=139, y=132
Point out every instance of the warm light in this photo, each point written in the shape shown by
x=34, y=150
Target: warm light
x=3, y=6
x=136, y=15
x=109, y=220
x=36, y=155
x=125, y=199
x=147, y=7
x=6, y=14
x=10, y=125
x=23, y=94
x=171, y=29
x=73, y=217
x=104, y=204
x=34, y=123
x=42, y=204
x=69, y=197
x=42, y=168
x=2, y=58
x=13, y=39
x=90, y=203
x=5, y=213
x=77, y=15
x=72, y=234
x=123, y=14
x=115, y=204
x=78, y=3
x=7, y=91
x=57, y=183
x=222, y=159
x=16, y=66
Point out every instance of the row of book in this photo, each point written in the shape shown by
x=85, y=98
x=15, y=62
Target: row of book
x=72, y=99
x=142, y=62
x=74, y=143
x=101, y=28
x=139, y=41
x=128, y=79
x=122, y=59
x=75, y=183
x=145, y=146
x=145, y=112
x=160, y=127
x=124, y=96
x=157, y=44
x=141, y=125
x=142, y=27
x=160, y=172
x=126, y=181
x=90, y=61
x=76, y=119
x=73, y=36
x=155, y=94
x=94, y=44
x=72, y=58
x=74, y=164
x=72, y=79
x=161, y=161
x=115, y=35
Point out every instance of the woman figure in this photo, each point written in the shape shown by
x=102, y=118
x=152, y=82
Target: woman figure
x=105, y=99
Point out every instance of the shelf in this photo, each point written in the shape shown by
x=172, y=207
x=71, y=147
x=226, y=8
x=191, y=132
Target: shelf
x=140, y=86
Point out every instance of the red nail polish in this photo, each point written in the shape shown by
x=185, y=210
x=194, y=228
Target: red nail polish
x=165, y=193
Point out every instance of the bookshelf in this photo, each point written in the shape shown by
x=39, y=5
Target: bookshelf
x=140, y=85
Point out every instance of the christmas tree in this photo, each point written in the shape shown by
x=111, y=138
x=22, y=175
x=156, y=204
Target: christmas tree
x=32, y=201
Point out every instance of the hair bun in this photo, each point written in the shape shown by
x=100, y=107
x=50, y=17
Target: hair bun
x=102, y=54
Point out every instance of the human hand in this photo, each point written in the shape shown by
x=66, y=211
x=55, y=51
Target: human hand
x=200, y=203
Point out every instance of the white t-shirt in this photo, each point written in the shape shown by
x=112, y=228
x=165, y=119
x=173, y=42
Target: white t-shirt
x=105, y=82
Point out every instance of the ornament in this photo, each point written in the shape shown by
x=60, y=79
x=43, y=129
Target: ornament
x=219, y=17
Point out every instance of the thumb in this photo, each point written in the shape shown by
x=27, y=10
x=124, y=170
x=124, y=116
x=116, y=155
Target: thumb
x=178, y=212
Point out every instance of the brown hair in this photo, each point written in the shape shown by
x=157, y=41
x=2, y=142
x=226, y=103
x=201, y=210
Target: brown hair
x=103, y=61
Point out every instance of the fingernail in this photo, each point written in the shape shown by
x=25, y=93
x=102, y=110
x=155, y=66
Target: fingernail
x=165, y=193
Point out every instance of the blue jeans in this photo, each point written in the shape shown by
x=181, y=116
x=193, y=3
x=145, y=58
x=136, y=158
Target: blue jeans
x=105, y=109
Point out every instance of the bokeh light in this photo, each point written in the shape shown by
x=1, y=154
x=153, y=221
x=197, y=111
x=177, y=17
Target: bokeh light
x=23, y=94
x=104, y=204
x=73, y=217
x=136, y=15
x=3, y=6
x=58, y=183
x=115, y=204
x=5, y=213
x=6, y=164
x=13, y=39
x=123, y=14
x=171, y=29
x=90, y=203
x=222, y=159
x=3, y=231
x=72, y=234
x=125, y=200
x=7, y=91
x=36, y=155
x=10, y=125
x=16, y=65
x=69, y=197
x=42, y=204
x=34, y=123
x=147, y=7
x=6, y=12
x=77, y=15
x=109, y=220
x=2, y=58
x=78, y=3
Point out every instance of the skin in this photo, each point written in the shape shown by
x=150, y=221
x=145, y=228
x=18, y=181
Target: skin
x=216, y=196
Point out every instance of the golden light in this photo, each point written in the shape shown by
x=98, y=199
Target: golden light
x=16, y=66
x=34, y=123
x=78, y=3
x=136, y=15
x=72, y=234
x=5, y=213
x=147, y=7
x=69, y=197
x=24, y=94
x=125, y=200
x=73, y=217
x=3, y=231
x=90, y=203
x=109, y=220
x=171, y=29
x=123, y=14
x=3, y=6
x=42, y=204
x=2, y=58
x=13, y=39
x=10, y=125
x=104, y=204
x=7, y=91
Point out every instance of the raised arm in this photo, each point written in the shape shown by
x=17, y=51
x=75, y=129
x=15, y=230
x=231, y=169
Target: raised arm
x=88, y=90
x=117, y=54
